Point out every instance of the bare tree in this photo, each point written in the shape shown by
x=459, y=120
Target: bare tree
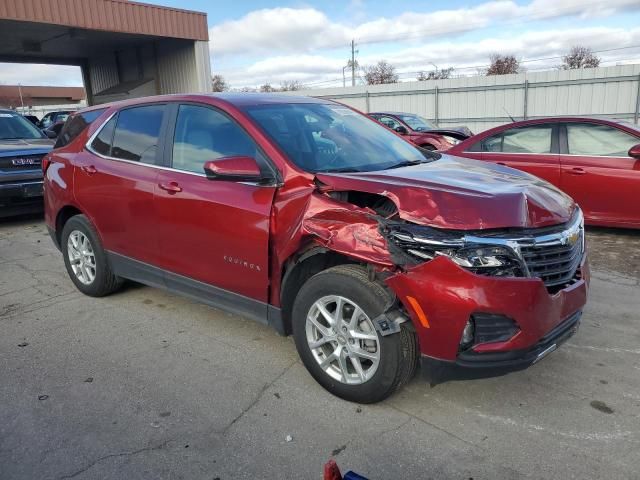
x=267, y=88
x=503, y=65
x=580, y=57
x=218, y=83
x=435, y=74
x=291, y=86
x=382, y=72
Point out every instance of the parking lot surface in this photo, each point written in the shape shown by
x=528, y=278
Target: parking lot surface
x=145, y=384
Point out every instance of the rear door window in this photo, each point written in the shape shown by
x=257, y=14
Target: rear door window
x=592, y=140
x=76, y=126
x=535, y=139
x=102, y=143
x=137, y=133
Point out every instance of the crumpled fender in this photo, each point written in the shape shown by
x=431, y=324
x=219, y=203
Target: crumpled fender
x=345, y=229
x=304, y=217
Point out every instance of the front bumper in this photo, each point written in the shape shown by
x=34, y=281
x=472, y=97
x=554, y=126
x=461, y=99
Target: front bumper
x=472, y=365
x=21, y=197
x=450, y=295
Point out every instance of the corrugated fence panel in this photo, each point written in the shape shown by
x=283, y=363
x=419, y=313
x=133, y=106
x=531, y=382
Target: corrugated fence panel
x=484, y=102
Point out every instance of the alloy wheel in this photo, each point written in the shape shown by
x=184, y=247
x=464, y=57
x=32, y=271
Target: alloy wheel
x=81, y=257
x=343, y=340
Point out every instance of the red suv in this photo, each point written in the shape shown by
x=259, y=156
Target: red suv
x=308, y=216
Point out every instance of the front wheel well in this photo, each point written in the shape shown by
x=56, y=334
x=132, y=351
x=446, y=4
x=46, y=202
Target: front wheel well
x=300, y=269
x=63, y=217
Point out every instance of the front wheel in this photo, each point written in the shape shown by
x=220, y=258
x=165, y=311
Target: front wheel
x=337, y=341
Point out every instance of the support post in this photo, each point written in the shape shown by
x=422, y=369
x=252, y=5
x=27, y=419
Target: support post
x=366, y=95
x=86, y=79
x=526, y=100
x=435, y=106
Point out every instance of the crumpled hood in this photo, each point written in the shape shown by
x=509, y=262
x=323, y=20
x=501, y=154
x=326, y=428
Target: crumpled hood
x=457, y=193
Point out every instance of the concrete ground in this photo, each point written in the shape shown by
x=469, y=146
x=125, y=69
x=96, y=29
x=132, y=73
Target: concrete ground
x=147, y=385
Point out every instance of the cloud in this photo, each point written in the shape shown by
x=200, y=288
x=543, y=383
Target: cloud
x=36, y=74
x=462, y=55
x=305, y=29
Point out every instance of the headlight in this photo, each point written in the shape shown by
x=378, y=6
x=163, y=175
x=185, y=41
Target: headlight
x=419, y=244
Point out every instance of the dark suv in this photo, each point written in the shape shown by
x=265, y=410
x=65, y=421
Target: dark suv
x=312, y=218
x=22, y=147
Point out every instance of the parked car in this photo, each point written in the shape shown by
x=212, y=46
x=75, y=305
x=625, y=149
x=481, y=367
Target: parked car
x=54, y=129
x=32, y=118
x=595, y=161
x=420, y=131
x=22, y=147
x=308, y=216
x=52, y=118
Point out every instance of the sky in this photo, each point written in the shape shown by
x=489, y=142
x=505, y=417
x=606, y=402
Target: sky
x=257, y=42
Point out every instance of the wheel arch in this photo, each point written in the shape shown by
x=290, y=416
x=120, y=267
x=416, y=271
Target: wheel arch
x=62, y=217
x=298, y=269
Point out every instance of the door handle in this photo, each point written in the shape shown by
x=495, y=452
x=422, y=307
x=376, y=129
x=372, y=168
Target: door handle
x=501, y=163
x=577, y=171
x=90, y=169
x=172, y=187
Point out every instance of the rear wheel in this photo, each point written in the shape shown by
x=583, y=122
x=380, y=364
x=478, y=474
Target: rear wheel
x=337, y=340
x=86, y=261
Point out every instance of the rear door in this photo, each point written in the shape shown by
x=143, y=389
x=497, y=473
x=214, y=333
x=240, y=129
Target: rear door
x=213, y=233
x=531, y=148
x=598, y=173
x=115, y=179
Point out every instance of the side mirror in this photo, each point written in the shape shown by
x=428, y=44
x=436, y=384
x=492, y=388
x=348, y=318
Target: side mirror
x=634, y=152
x=50, y=134
x=401, y=129
x=235, y=169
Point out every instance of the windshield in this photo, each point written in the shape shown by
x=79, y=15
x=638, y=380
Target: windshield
x=333, y=138
x=15, y=127
x=417, y=123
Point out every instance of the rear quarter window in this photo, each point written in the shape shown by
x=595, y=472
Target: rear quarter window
x=75, y=125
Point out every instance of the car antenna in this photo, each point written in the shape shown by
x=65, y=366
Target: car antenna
x=508, y=114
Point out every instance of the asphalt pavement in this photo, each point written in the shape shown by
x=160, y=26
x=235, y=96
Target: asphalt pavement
x=147, y=385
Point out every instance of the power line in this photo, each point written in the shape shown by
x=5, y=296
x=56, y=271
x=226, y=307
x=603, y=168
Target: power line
x=487, y=65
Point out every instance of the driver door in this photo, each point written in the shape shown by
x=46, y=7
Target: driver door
x=213, y=234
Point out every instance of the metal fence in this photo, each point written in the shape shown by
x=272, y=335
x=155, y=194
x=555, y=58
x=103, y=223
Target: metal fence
x=484, y=102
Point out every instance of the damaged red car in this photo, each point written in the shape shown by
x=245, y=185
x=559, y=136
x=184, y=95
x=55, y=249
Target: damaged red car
x=308, y=216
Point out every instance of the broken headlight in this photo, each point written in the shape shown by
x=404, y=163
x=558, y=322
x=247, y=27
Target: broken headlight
x=416, y=244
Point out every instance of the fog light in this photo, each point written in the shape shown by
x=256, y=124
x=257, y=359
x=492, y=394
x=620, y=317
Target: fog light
x=467, y=335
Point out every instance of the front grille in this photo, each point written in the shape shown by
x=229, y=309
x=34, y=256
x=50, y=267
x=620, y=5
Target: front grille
x=20, y=162
x=553, y=254
x=555, y=262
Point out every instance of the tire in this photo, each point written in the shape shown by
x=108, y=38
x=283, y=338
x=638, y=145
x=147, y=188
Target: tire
x=96, y=278
x=396, y=353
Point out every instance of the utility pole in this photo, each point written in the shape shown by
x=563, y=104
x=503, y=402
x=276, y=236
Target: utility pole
x=353, y=63
x=21, y=101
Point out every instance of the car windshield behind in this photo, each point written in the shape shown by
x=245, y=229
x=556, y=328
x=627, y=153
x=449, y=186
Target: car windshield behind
x=417, y=123
x=15, y=127
x=333, y=138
